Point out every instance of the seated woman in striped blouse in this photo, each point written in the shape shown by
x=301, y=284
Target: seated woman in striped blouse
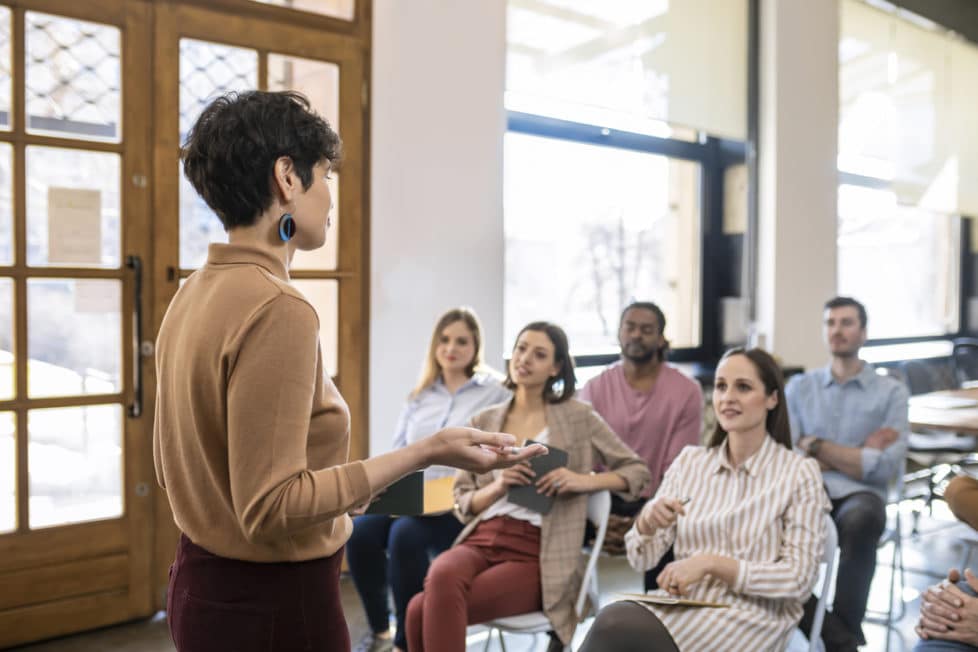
x=746, y=517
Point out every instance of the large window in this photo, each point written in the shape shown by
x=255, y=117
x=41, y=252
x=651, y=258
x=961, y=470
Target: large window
x=590, y=229
x=614, y=163
x=902, y=261
x=907, y=154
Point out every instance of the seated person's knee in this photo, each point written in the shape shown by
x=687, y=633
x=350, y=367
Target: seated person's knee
x=865, y=519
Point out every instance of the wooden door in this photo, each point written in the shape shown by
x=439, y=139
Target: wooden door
x=76, y=477
x=205, y=49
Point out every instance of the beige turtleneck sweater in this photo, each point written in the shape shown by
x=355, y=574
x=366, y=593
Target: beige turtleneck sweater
x=251, y=437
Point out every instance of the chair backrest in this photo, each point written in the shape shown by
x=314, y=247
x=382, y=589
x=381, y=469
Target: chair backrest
x=828, y=558
x=598, y=509
x=964, y=359
x=923, y=376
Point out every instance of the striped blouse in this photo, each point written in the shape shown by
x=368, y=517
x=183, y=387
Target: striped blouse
x=769, y=515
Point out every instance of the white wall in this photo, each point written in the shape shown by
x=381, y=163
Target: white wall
x=798, y=178
x=437, y=129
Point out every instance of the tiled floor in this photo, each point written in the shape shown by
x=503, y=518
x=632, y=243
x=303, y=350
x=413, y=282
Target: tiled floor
x=927, y=557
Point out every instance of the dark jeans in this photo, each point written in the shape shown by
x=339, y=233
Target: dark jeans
x=409, y=542
x=214, y=603
x=628, y=627
x=860, y=519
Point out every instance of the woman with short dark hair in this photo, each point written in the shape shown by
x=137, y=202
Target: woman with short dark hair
x=251, y=437
x=746, y=518
x=509, y=559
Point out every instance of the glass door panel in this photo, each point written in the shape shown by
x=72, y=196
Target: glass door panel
x=206, y=71
x=324, y=297
x=74, y=343
x=343, y=9
x=320, y=82
x=6, y=205
x=75, y=464
x=73, y=208
x=8, y=472
x=73, y=78
x=5, y=68
x=7, y=387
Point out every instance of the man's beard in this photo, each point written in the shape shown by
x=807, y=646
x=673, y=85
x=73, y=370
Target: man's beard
x=647, y=355
x=846, y=353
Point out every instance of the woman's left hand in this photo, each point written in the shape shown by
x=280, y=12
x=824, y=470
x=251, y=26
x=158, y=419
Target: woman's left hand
x=563, y=481
x=677, y=577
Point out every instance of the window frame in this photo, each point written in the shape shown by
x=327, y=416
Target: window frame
x=714, y=155
x=965, y=265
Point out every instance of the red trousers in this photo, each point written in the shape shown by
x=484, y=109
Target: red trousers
x=215, y=604
x=494, y=573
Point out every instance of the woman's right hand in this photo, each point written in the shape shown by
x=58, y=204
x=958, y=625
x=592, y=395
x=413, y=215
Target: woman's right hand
x=659, y=514
x=474, y=450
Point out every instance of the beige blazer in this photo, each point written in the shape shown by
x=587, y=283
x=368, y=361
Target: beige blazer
x=589, y=442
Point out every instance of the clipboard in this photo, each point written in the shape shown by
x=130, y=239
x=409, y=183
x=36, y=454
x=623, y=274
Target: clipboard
x=668, y=601
x=403, y=498
x=528, y=496
x=412, y=495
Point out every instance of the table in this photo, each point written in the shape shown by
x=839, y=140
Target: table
x=963, y=420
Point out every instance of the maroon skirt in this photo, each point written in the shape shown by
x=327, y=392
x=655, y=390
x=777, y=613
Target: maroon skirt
x=216, y=604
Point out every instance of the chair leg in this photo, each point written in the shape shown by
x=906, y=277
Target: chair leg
x=485, y=648
x=502, y=643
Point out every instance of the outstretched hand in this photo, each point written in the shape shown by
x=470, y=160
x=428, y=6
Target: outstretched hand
x=477, y=451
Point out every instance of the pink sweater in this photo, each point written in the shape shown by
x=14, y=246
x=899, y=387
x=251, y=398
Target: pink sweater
x=656, y=424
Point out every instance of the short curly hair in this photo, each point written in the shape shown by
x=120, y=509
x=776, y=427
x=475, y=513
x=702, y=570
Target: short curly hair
x=229, y=155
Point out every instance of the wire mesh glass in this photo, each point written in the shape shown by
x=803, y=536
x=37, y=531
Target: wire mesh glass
x=73, y=78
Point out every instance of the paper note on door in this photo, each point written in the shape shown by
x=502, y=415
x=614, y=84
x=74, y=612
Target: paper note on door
x=74, y=226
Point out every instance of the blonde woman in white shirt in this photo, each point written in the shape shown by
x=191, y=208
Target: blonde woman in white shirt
x=750, y=534
x=390, y=555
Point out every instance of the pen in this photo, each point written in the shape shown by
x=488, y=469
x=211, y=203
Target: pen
x=682, y=501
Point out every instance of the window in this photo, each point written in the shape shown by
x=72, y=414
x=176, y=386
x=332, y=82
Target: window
x=904, y=151
x=903, y=262
x=589, y=229
x=613, y=166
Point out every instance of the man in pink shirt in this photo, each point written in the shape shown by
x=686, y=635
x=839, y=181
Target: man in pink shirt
x=652, y=406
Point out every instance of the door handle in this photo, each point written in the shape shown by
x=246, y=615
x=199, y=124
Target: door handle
x=135, y=409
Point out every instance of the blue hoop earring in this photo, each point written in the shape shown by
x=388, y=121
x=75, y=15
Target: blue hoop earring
x=286, y=227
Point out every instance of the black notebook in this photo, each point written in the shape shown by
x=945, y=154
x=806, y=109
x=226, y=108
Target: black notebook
x=403, y=498
x=528, y=496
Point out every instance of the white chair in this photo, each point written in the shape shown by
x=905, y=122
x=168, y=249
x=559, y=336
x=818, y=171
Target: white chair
x=598, y=508
x=814, y=642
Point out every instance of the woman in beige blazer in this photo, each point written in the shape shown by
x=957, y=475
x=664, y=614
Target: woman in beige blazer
x=510, y=560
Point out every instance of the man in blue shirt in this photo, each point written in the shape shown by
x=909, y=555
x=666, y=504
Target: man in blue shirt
x=854, y=423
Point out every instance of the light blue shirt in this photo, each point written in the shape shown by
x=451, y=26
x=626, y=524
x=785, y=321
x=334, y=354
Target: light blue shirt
x=847, y=414
x=436, y=408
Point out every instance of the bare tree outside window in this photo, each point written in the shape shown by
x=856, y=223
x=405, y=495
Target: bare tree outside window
x=590, y=229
